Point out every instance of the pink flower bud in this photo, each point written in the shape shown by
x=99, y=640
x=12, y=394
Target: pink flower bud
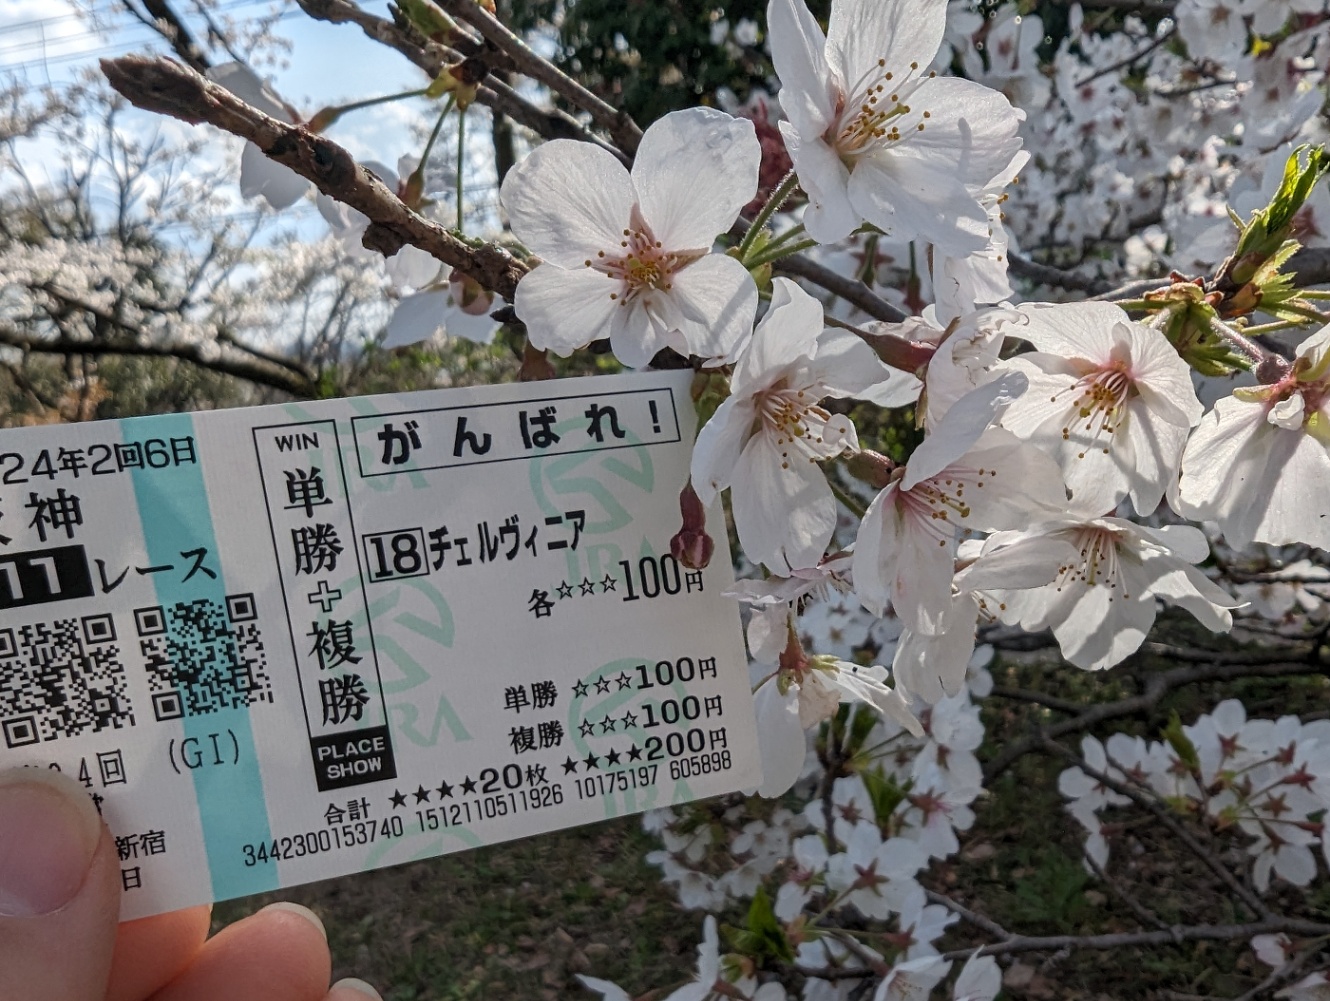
x=691, y=545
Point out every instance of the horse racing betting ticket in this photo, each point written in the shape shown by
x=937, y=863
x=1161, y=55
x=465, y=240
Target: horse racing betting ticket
x=297, y=641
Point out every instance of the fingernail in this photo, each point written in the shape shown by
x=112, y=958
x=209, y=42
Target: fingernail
x=49, y=832
x=355, y=984
x=304, y=912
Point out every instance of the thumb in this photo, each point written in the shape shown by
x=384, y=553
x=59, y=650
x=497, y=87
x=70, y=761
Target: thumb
x=59, y=890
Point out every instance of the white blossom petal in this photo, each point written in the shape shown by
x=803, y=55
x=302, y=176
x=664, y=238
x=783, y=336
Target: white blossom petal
x=567, y=201
x=565, y=310
x=688, y=152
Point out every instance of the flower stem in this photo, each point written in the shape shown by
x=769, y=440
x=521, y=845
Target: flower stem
x=1314, y=315
x=1270, y=328
x=767, y=254
x=1140, y=304
x=777, y=199
x=369, y=103
x=852, y=503
x=793, y=231
x=417, y=178
x=461, y=161
x=1249, y=349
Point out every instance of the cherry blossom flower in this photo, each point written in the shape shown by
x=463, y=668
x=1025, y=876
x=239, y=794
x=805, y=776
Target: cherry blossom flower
x=1272, y=950
x=708, y=972
x=980, y=979
x=933, y=665
x=876, y=876
x=912, y=980
x=1259, y=461
x=628, y=256
x=801, y=695
x=964, y=476
x=1313, y=987
x=966, y=359
x=1110, y=399
x=281, y=187
x=438, y=309
x=875, y=135
x=921, y=924
x=1102, y=604
x=961, y=283
x=765, y=440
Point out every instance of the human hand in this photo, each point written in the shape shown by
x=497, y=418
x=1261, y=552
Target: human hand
x=59, y=934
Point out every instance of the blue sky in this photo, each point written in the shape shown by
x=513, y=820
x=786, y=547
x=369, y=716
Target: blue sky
x=46, y=42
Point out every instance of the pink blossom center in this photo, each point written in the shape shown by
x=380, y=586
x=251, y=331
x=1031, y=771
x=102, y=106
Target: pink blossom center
x=797, y=424
x=1099, y=404
x=937, y=505
x=871, y=115
x=640, y=263
x=1098, y=563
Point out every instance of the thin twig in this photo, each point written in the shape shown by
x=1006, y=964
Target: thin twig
x=1165, y=817
x=1137, y=908
x=1119, y=940
x=1282, y=974
x=1127, y=60
x=431, y=57
x=973, y=917
x=620, y=126
x=1039, y=699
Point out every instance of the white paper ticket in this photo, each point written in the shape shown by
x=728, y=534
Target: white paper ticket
x=298, y=641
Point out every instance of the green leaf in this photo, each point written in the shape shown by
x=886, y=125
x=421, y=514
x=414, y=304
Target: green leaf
x=764, y=936
x=1182, y=746
x=884, y=792
x=1265, y=235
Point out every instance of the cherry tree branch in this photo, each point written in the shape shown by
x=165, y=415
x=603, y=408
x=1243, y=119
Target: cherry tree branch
x=253, y=370
x=431, y=57
x=166, y=87
x=1210, y=666
x=851, y=290
x=620, y=126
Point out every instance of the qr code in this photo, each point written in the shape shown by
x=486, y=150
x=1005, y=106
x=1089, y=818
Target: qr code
x=203, y=656
x=61, y=679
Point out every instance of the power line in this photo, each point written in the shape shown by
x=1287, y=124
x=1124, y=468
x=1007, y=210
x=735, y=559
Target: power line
x=41, y=22
x=122, y=48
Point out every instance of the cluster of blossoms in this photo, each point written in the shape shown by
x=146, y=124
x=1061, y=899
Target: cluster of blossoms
x=857, y=847
x=1046, y=427
x=1268, y=779
x=1145, y=136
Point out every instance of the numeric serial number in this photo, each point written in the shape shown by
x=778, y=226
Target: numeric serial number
x=469, y=811
x=328, y=839
x=590, y=786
